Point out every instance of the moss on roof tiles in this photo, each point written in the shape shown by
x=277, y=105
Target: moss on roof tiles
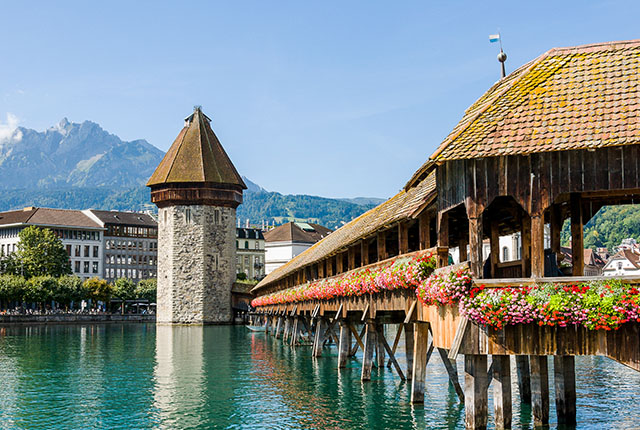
x=196, y=156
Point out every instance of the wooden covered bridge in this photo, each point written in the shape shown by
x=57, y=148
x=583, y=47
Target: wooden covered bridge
x=556, y=140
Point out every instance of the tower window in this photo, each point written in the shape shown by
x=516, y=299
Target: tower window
x=246, y=244
x=216, y=216
x=165, y=216
x=187, y=216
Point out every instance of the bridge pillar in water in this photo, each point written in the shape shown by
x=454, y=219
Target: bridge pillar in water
x=524, y=378
x=539, y=389
x=318, y=339
x=565, y=384
x=419, y=371
x=476, y=385
x=502, y=391
x=370, y=344
x=344, y=349
x=408, y=347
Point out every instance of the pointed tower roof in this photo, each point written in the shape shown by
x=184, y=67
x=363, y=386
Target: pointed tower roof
x=196, y=156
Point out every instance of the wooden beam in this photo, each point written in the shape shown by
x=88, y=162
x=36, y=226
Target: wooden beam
x=443, y=238
x=419, y=372
x=424, y=221
x=364, y=252
x=382, y=249
x=502, y=405
x=285, y=333
x=351, y=257
x=526, y=246
x=537, y=246
x=380, y=356
x=318, y=340
x=344, y=348
x=295, y=331
x=475, y=246
x=475, y=391
x=539, y=389
x=412, y=310
x=555, y=224
x=524, y=378
x=577, y=235
x=370, y=343
x=457, y=338
x=403, y=237
x=358, y=339
x=396, y=340
x=565, y=384
x=392, y=357
x=339, y=265
x=495, y=247
x=452, y=371
x=408, y=348
x=462, y=247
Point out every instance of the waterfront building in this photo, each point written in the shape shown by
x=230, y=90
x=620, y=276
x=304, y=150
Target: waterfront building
x=250, y=250
x=130, y=244
x=197, y=190
x=285, y=242
x=80, y=234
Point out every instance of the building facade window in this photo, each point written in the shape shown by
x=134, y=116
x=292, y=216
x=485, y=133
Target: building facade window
x=77, y=250
x=505, y=253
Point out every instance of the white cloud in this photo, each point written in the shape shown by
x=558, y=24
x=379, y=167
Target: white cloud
x=8, y=129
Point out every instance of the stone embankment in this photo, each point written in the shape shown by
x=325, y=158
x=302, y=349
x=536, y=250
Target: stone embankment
x=75, y=319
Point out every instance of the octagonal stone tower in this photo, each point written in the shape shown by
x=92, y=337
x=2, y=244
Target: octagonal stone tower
x=197, y=190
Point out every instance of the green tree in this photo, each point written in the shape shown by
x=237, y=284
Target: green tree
x=98, y=289
x=147, y=289
x=40, y=253
x=70, y=289
x=40, y=289
x=11, y=288
x=124, y=289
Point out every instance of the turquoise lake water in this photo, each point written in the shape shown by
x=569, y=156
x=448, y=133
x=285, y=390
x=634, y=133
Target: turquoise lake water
x=137, y=376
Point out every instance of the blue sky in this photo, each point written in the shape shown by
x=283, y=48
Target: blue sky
x=332, y=98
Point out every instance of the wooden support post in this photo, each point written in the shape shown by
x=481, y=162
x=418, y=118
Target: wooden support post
x=462, y=247
x=501, y=365
x=279, y=327
x=382, y=248
x=419, y=372
x=345, y=344
x=475, y=246
x=408, y=348
x=539, y=389
x=537, y=246
x=295, y=331
x=339, y=265
x=351, y=257
x=403, y=238
x=475, y=391
x=577, y=235
x=321, y=266
x=565, y=384
x=364, y=252
x=287, y=324
x=380, y=358
x=443, y=238
x=359, y=342
x=424, y=231
x=318, y=339
x=526, y=246
x=495, y=248
x=452, y=371
x=267, y=326
x=555, y=225
x=392, y=357
x=370, y=343
x=395, y=342
x=524, y=378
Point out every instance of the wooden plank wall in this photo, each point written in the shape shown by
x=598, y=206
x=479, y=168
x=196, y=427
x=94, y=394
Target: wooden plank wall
x=476, y=182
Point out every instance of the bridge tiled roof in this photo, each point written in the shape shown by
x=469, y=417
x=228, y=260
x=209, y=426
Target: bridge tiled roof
x=401, y=206
x=568, y=98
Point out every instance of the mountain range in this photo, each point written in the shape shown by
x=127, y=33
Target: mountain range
x=80, y=166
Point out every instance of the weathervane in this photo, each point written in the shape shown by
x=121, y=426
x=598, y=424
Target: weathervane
x=502, y=57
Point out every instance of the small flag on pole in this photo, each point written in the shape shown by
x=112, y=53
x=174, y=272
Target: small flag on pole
x=494, y=38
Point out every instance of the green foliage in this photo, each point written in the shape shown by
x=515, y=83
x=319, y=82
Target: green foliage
x=124, y=289
x=40, y=289
x=241, y=276
x=608, y=227
x=12, y=287
x=70, y=289
x=40, y=253
x=98, y=289
x=147, y=289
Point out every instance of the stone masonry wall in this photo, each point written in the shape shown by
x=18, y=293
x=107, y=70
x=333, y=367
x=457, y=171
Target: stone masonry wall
x=196, y=264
